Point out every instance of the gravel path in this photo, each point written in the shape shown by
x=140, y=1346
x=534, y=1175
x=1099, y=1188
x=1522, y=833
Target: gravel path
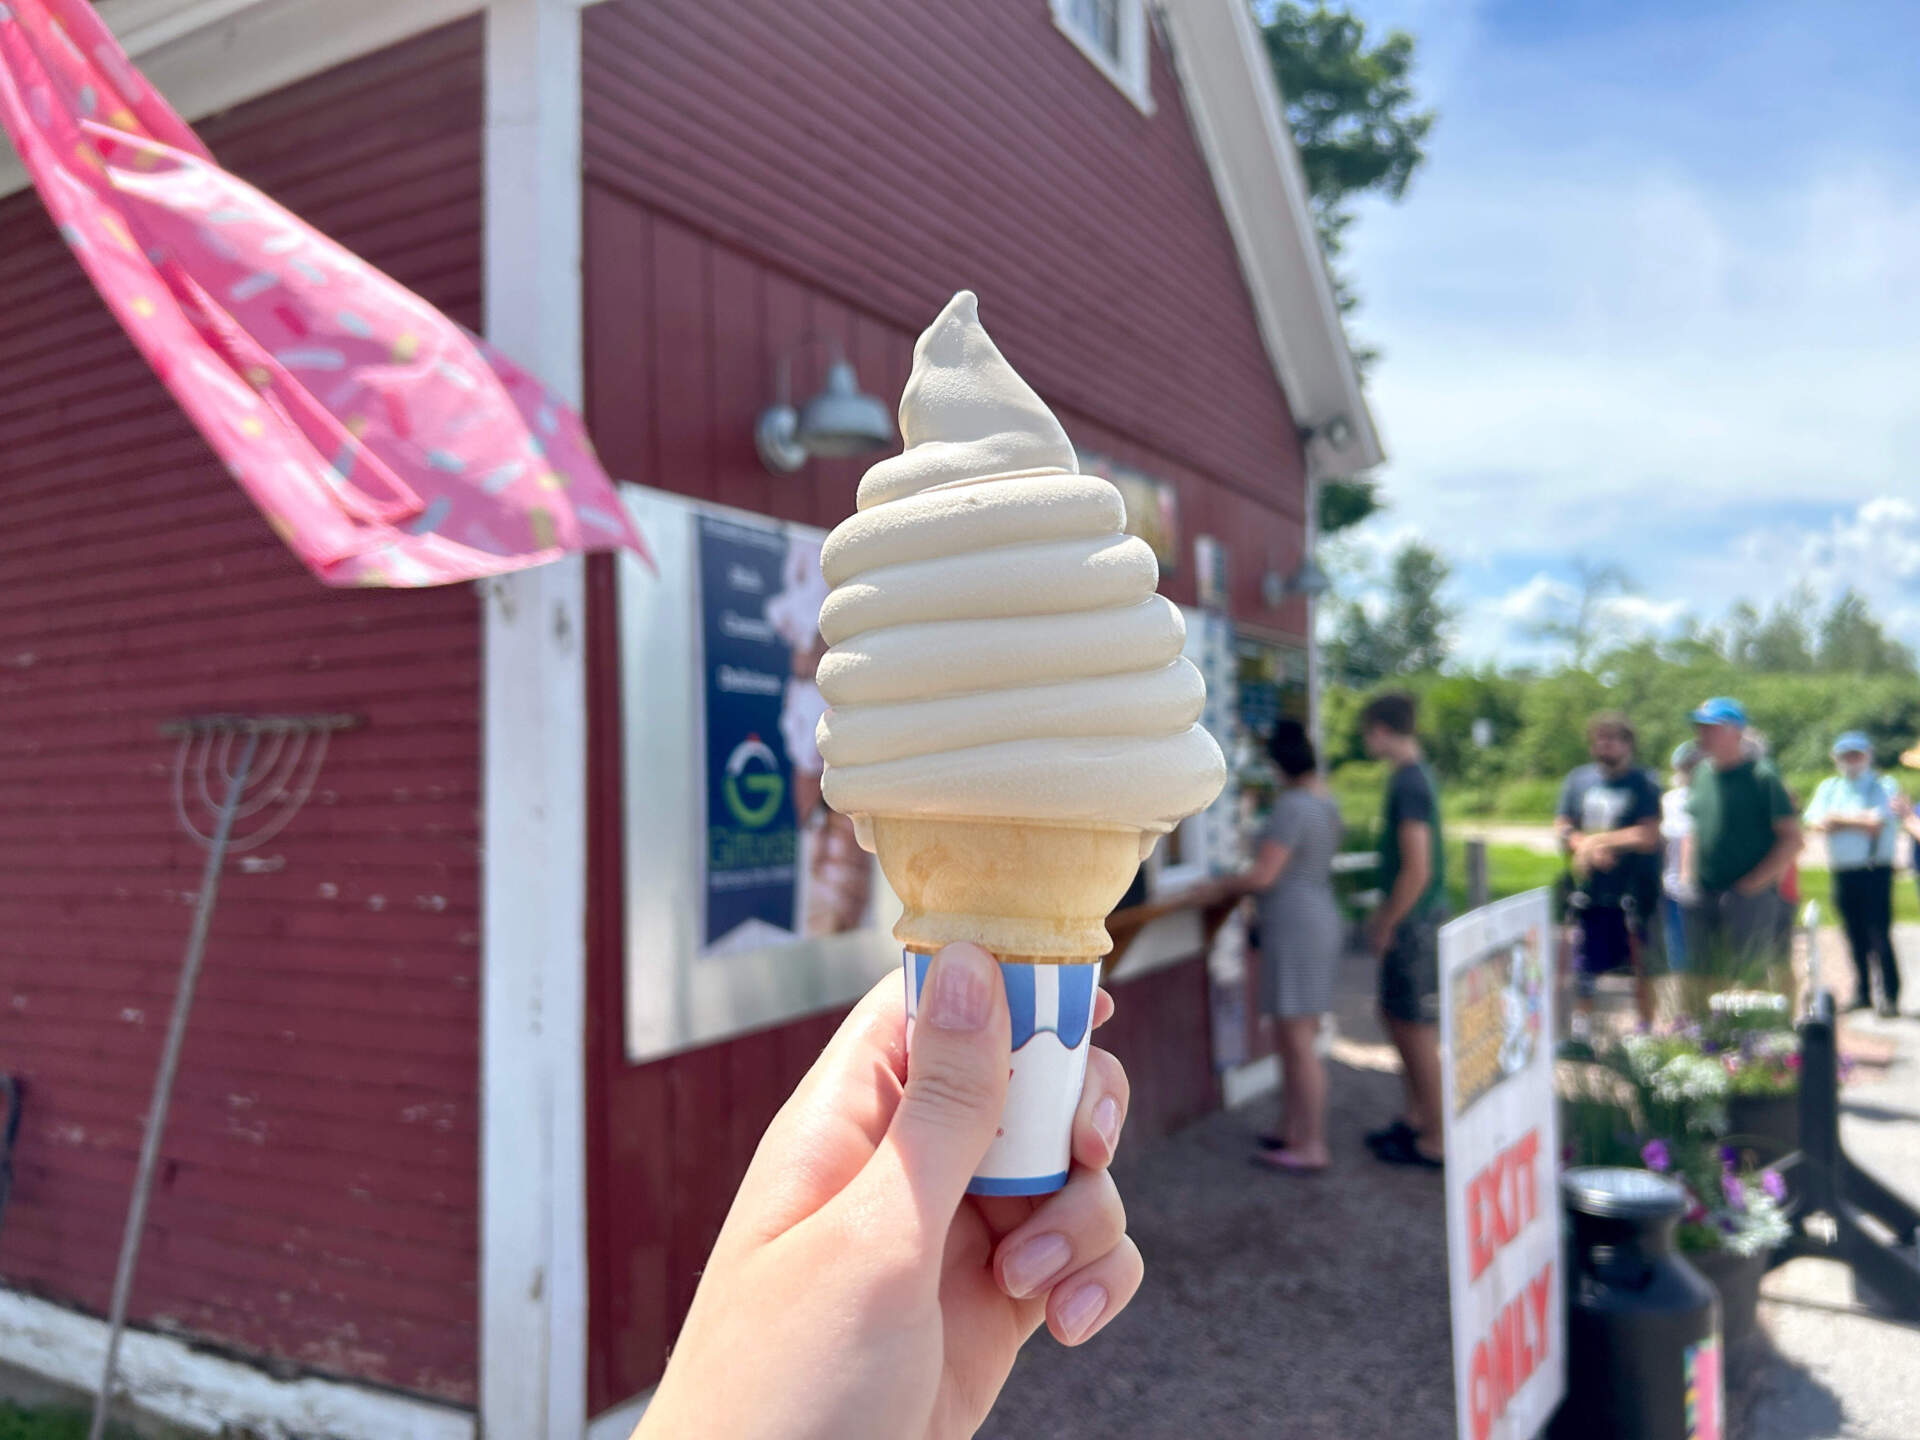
x=1317, y=1308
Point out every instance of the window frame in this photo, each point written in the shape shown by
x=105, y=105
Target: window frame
x=1132, y=73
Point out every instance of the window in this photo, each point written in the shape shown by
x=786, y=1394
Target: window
x=1113, y=35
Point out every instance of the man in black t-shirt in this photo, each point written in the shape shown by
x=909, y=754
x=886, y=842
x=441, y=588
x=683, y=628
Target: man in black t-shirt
x=1405, y=931
x=1609, y=826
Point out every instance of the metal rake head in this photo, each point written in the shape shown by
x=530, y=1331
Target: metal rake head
x=275, y=760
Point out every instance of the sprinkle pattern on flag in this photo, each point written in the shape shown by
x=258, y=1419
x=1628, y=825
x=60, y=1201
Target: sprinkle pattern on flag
x=418, y=455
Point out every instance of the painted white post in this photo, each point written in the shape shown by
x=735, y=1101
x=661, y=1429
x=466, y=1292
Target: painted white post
x=533, y=1317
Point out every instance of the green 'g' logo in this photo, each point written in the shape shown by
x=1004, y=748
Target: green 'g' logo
x=753, y=796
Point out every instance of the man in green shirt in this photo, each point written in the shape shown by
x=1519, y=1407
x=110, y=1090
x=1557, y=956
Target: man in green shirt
x=1405, y=931
x=1746, y=836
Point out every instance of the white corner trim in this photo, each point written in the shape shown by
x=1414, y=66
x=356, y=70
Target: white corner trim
x=204, y=1393
x=619, y=1422
x=533, y=1226
x=1237, y=116
x=206, y=56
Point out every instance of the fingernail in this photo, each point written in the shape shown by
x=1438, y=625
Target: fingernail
x=959, y=994
x=1106, y=1124
x=1036, y=1261
x=1082, y=1311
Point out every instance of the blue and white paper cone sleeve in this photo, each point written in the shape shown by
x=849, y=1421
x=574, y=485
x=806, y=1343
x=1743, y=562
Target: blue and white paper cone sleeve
x=1052, y=1010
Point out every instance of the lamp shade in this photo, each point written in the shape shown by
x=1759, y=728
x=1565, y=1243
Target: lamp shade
x=841, y=421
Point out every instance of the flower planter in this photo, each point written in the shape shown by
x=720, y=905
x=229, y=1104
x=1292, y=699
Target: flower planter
x=1768, y=1123
x=1737, y=1278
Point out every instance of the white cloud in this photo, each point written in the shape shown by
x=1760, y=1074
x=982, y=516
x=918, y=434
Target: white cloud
x=1596, y=342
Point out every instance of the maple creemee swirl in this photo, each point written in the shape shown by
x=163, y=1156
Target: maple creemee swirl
x=997, y=646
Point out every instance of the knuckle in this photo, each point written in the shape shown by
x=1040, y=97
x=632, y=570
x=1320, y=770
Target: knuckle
x=949, y=1096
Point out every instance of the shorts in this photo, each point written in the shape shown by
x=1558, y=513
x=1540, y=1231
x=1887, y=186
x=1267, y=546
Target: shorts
x=1410, y=973
x=1609, y=941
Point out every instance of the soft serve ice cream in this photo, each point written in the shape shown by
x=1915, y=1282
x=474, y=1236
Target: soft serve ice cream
x=997, y=646
x=1011, y=722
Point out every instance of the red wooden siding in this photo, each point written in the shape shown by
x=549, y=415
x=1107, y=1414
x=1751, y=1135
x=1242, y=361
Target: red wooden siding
x=317, y=1197
x=888, y=153
x=759, y=172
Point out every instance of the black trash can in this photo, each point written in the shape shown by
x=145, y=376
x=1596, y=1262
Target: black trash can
x=1644, y=1357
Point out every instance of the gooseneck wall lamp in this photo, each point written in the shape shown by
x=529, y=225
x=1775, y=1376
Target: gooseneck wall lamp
x=838, y=423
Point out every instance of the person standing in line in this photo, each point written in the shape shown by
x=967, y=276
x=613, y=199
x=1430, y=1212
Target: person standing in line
x=1746, y=837
x=1301, y=935
x=1855, y=811
x=1609, y=827
x=1676, y=837
x=1405, y=931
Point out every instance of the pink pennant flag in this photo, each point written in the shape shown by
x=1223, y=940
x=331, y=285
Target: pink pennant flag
x=385, y=444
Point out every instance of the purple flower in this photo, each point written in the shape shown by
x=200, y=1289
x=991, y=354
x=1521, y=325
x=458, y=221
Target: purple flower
x=1775, y=1184
x=1655, y=1155
x=1729, y=1158
x=1736, y=1193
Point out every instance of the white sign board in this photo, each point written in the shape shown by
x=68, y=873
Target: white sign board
x=1503, y=1147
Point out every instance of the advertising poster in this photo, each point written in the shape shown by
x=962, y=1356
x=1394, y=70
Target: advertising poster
x=1503, y=1147
x=777, y=864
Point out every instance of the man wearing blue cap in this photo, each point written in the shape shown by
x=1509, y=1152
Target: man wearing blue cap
x=1746, y=836
x=1855, y=811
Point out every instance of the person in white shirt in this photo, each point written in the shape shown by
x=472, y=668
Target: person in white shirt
x=1676, y=837
x=1855, y=811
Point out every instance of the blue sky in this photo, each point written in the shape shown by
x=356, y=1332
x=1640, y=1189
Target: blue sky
x=1654, y=300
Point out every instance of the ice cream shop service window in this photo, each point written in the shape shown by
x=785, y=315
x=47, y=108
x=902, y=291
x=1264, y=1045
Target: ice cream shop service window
x=1113, y=35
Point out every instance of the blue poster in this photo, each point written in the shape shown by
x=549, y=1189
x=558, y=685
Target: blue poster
x=752, y=840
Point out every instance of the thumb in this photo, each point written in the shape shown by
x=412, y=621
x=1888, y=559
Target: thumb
x=956, y=1083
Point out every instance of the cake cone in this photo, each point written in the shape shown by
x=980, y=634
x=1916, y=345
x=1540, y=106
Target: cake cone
x=1030, y=892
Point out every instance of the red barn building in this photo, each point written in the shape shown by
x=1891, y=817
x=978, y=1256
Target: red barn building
x=438, y=1161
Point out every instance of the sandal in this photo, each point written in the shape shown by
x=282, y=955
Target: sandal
x=1406, y=1152
x=1276, y=1161
x=1398, y=1133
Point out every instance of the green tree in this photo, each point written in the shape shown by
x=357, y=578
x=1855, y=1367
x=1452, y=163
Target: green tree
x=1411, y=634
x=1351, y=107
x=1344, y=503
x=1852, y=641
x=1783, y=643
x=1582, y=622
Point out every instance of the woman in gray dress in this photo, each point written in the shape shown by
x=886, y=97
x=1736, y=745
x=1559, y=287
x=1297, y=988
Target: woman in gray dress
x=1301, y=939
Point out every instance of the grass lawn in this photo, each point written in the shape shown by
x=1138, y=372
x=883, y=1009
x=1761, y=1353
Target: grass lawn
x=1514, y=869
x=1818, y=885
x=18, y=1424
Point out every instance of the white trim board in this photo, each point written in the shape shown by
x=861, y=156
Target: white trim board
x=167, y=1379
x=206, y=56
x=1235, y=104
x=533, y=1207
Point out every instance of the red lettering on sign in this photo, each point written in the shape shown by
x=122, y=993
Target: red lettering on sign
x=1510, y=1353
x=1502, y=1200
x=1539, y=1292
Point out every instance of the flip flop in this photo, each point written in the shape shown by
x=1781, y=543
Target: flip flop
x=1274, y=1162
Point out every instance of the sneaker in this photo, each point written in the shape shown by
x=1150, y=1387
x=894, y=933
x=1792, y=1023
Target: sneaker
x=1888, y=1010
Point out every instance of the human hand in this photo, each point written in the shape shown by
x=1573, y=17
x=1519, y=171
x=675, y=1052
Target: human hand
x=1752, y=885
x=856, y=1290
x=1378, y=935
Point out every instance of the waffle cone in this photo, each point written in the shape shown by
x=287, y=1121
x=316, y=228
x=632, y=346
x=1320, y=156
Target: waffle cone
x=1031, y=893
